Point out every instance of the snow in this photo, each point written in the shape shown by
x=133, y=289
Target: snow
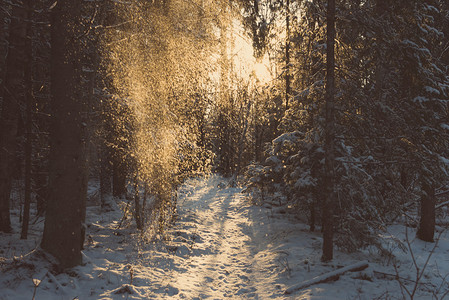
x=431, y=90
x=328, y=276
x=415, y=46
x=420, y=99
x=444, y=160
x=289, y=136
x=221, y=246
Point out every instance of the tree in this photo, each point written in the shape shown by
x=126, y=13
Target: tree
x=287, y=54
x=329, y=156
x=13, y=95
x=4, y=22
x=427, y=86
x=28, y=85
x=63, y=230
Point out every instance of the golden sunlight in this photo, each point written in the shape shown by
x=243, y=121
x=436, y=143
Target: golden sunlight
x=246, y=64
x=262, y=70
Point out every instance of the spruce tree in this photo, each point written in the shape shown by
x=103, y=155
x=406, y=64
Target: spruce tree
x=63, y=230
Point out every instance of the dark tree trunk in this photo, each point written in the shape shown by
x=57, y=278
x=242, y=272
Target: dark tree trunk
x=287, y=54
x=404, y=176
x=312, y=221
x=41, y=191
x=106, y=156
x=105, y=173
x=12, y=95
x=63, y=229
x=118, y=178
x=4, y=16
x=426, y=230
x=329, y=177
x=258, y=143
x=380, y=72
x=138, y=208
x=28, y=122
x=144, y=204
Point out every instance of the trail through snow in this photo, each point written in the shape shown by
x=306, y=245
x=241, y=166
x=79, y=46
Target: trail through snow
x=212, y=251
x=220, y=247
x=222, y=258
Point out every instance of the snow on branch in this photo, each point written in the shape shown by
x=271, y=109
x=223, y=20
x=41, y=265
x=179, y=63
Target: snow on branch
x=442, y=205
x=328, y=276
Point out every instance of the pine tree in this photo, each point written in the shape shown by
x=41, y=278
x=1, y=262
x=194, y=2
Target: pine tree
x=28, y=85
x=329, y=155
x=13, y=95
x=63, y=230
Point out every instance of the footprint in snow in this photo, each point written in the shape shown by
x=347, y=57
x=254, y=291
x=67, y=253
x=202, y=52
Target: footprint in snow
x=243, y=277
x=245, y=291
x=171, y=291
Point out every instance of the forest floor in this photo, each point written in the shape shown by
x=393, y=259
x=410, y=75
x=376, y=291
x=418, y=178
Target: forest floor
x=220, y=247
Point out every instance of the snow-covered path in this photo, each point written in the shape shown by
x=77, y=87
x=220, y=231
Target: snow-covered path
x=217, y=248
x=224, y=247
x=220, y=247
x=222, y=257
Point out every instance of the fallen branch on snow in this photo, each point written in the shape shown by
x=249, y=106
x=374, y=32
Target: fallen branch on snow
x=328, y=276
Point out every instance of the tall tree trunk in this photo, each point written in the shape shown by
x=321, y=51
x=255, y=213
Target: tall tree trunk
x=329, y=177
x=118, y=177
x=312, y=219
x=287, y=54
x=4, y=21
x=41, y=191
x=12, y=95
x=137, y=208
x=28, y=122
x=426, y=230
x=258, y=142
x=63, y=229
x=105, y=173
x=380, y=71
x=144, y=204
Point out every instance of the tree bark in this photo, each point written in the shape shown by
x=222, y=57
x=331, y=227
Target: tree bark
x=137, y=207
x=63, y=229
x=329, y=177
x=287, y=54
x=380, y=72
x=4, y=12
x=118, y=178
x=12, y=95
x=105, y=173
x=28, y=128
x=106, y=162
x=426, y=230
x=258, y=142
x=41, y=191
x=312, y=210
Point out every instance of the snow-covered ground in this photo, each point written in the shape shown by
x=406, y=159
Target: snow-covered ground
x=220, y=247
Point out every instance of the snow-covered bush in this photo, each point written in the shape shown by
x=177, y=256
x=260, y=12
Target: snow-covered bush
x=368, y=195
